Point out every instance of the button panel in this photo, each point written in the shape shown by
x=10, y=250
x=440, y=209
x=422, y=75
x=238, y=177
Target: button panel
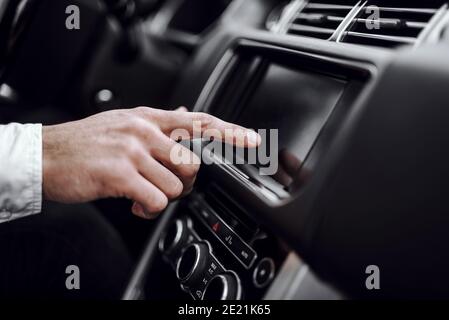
x=224, y=254
x=242, y=251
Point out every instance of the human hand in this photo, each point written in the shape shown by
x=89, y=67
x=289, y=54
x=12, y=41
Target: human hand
x=126, y=153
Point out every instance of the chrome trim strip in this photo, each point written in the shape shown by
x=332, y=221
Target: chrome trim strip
x=292, y=9
x=226, y=286
x=213, y=80
x=339, y=32
x=195, y=265
x=239, y=286
x=179, y=231
x=324, y=6
x=434, y=26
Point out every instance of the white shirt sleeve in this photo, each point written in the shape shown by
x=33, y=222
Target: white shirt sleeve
x=20, y=170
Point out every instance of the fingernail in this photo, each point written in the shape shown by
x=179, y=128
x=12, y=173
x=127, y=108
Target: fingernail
x=253, y=138
x=138, y=209
x=182, y=109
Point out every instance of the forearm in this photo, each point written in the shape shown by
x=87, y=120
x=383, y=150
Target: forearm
x=20, y=170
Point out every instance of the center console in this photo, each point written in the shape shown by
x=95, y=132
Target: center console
x=214, y=245
x=217, y=252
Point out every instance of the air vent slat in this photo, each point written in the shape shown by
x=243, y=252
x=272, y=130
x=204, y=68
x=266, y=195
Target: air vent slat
x=408, y=10
x=388, y=26
x=394, y=23
x=322, y=6
x=405, y=40
x=318, y=19
x=309, y=29
x=382, y=23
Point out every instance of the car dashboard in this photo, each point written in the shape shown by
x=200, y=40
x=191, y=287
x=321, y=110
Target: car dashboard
x=311, y=229
x=360, y=108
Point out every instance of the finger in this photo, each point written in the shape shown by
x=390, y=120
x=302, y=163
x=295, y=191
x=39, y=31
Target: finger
x=138, y=210
x=207, y=126
x=161, y=177
x=181, y=135
x=148, y=195
x=178, y=159
x=188, y=187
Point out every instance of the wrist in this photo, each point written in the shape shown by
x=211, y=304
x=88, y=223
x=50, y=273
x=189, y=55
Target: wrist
x=48, y=161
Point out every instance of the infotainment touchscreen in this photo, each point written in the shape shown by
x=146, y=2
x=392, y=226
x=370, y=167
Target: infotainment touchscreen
x=295, y=103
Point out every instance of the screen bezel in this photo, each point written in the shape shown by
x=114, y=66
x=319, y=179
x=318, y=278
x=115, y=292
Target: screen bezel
x=240, y=77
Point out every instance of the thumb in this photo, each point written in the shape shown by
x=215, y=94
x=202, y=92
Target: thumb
x=182, y=109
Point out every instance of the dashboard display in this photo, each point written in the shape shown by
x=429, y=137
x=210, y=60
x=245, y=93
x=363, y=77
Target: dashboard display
x=297, y=104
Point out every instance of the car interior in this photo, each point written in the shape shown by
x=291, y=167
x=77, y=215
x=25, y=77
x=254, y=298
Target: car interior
x=360, y=104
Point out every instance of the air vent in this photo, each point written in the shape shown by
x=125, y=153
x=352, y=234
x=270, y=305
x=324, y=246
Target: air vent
x=319, y=19
x=389, y=26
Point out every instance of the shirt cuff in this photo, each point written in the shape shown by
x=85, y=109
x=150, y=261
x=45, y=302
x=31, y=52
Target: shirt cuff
x=20, y=170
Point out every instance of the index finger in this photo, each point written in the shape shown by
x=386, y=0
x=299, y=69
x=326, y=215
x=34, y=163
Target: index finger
x=208, y=126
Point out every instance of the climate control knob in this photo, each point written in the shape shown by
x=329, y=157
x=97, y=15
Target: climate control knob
x=223, y=287
x=174, y=238
x=193, y=264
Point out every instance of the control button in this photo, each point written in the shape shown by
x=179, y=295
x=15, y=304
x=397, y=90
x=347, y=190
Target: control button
x=210, y=219
x=240, y=249
x=245, y=254
x=213, y=268
x=223, y=287
x=230, y=239
x=193, y=264
x=264, y=272
x=174, y=238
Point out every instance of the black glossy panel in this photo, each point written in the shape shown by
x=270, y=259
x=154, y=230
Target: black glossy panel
x=385, y=201
x=295, y=103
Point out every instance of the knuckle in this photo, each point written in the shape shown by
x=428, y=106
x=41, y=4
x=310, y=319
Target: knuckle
x=142, y=110
x=175, y=190
x=153, y=136
x=121, y=113
x=190, y=170
x=140, y=126
x=158, y=203
x=147, y=112
x=202, y=117
x=153, y=131
x=133, y=149
x=128, y=122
